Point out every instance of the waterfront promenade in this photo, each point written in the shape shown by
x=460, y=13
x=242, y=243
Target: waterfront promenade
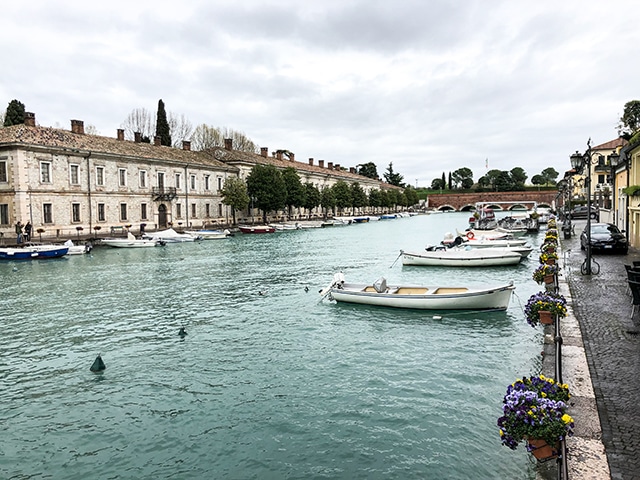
x=600, y=334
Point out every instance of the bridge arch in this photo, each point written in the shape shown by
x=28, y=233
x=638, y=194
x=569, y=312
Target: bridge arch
x=446, y=208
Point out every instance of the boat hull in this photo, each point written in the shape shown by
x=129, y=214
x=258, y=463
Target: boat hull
x=124, y=243
x=257, y=229
x=426, y=298
x=32, y=253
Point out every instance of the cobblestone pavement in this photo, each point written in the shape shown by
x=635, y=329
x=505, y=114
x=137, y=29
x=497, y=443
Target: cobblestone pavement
x=612, y=345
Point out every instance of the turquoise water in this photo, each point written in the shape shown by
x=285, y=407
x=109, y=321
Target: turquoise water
x=269, y=383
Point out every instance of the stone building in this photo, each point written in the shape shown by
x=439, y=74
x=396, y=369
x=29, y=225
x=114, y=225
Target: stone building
x=65, y=182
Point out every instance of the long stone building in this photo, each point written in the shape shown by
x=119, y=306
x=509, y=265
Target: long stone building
x=65, y=182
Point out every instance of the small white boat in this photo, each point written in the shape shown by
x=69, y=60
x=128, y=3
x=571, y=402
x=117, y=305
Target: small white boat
x=461, y=257
x=170, y=236
x=420, y=297
x=482, y=242
x=77, y=249
x=283, y=227
x=131, y=242
x=209, y=234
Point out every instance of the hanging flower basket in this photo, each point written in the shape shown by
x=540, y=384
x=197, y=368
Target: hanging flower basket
x=545, y=273
x=542, y=450
x=545, y=317
x=548, y=258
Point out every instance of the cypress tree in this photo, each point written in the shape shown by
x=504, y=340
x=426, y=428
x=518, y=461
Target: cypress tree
x=162, y=125
x=14, y=114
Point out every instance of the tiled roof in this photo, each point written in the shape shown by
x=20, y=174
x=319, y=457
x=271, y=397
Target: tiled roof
x=235, y=156
x=610, y=145
x=64, y=139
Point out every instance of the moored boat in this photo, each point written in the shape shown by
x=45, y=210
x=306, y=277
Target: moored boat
x=33, y=252
x=209, y=234
x=171, y=236
x=256, y=229
x=420, y=297
x=132, y=242
x=77, y=249
x=461, y=257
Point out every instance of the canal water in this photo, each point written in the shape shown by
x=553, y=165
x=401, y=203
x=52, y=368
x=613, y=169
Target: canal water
x=268, y=383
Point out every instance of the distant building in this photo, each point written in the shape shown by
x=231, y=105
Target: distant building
x=64, y=180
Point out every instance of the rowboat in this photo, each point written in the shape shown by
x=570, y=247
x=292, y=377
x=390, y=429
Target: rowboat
x=420, y=297
x=461, y=257
x=33, y=252
x=256, y=229
x=131, y=242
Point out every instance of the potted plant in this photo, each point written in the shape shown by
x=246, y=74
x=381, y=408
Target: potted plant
x=40, y=232
x=545, y=273
x=550, y=303
x=533, y=411
x=551, y=237
x=548, y=257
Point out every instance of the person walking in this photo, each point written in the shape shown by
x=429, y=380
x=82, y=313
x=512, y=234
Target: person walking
x=27, y=232
x=19, y=233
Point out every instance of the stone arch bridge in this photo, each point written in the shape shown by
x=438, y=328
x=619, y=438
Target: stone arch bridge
x=464, y=202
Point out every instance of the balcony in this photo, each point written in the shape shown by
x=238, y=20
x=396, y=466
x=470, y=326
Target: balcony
x=163, y=194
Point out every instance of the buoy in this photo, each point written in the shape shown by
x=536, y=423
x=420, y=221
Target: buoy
x=306, y=289
x=182, y=332
x=98, y=365
x=437, y=317
x=470, y=235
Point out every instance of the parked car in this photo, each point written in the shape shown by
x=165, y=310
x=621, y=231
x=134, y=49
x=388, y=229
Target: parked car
x=605, y=237
x=581, y=212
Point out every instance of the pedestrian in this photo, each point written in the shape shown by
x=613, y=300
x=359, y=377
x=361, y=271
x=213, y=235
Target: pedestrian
x=27, y=232
x=19, y=233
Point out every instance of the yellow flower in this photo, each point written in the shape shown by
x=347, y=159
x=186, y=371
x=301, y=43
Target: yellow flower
x=567, y=418
x=543, y=395
x=501, y=433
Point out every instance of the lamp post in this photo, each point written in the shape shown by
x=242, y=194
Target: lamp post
x=579, y=162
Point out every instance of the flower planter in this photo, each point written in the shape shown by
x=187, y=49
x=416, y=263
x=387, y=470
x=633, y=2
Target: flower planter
x=548, y=279
x=551, y=261
x=545, y=317
x=541, y=449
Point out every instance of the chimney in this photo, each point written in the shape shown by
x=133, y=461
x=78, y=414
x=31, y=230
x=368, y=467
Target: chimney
x=292, y=157
x=264, y=151
x=137, y=137
x=157, y=140
x=352, y=169
x=228, y=143
x=330, y=165
x=30, y=119
x=121, y=134
x=321, y=163
x=77, y=126
x=279, y=155
x=186, y=145
x=311, y=161
x=337, y=166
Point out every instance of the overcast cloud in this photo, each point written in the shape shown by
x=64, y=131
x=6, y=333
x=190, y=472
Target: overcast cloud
x=430, y=85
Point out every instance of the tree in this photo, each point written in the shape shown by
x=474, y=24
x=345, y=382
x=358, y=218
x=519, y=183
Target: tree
x=549, y=174
x=139, y=120
x=393, y=178
x=162, y=125
x=629, y=123
x=375, y=199
x=519, y=176
x=444, y=181
x=492, y=177
x=205, y=137
x=437, y=184
x=342, y=194
x=450, y=184
x=538, y=180
x=234, y=193
x=411, y=195
x=14, y=114
x=368, y=170
x=358, y=197
x=266, y=186
x=180, y=129
x=462, y=177
x=327, y=199
x=294, y=188
x=311, y=196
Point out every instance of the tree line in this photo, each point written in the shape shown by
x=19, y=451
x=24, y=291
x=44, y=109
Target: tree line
x=493, y=180
x=270, y=190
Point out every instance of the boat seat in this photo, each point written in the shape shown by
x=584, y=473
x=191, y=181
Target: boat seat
x=444, y=291
x=370, y=289
x=411, y=291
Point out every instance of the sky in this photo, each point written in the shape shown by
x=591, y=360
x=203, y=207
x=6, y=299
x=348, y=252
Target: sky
x=427, y=85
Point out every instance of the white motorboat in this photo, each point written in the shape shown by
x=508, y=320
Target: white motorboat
x=482, y=242
x=131, y=242
x=420, y=297
x=171, y=236
x=461, y=257
x=209, y=234
x=77, y=249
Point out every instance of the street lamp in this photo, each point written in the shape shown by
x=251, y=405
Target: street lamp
x=579, y=162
